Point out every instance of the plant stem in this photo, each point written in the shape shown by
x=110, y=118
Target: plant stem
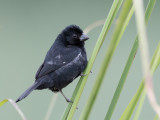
x=136, y=117
x=130, y=108
x=97, y=47
x=112, y=46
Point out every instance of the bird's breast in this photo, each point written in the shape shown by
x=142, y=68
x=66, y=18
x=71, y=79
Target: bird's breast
x=66, y=74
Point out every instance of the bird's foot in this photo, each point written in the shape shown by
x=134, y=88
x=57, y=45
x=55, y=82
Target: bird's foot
x=69, y=101
x=84, y=74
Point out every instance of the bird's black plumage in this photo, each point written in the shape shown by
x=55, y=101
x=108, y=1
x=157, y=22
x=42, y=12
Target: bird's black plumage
x=65, y=60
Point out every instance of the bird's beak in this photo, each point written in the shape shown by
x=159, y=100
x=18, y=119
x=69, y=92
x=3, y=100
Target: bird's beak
x=84, y=37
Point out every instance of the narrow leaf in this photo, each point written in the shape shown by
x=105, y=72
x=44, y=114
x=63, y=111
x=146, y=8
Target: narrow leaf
x=114, y=10
x=125, y=71
x=15, y=106
x=143, y=43
x=139, y=108
x=130, y=108
x=3, y=102
x=112, y=46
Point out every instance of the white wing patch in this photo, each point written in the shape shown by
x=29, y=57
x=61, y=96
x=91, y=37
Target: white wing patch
x=58, y=56
x=78, y=56
x=50, y=62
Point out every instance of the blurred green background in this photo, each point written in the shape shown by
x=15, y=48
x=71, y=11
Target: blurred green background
x=27, y=30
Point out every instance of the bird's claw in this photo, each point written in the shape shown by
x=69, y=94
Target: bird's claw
x=69, y=101
x=85, y=74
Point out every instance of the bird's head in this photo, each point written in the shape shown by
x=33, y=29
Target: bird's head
x=74, y=35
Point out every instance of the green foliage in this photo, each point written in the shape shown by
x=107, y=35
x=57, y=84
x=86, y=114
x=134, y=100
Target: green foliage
x=122, y=22
x=82, y=81
x=121, y=25
x=3, y=102
x=130, y=108
x=15, y=106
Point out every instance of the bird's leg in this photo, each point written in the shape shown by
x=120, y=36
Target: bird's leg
x=67, y=99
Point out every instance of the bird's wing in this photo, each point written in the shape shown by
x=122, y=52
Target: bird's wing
x=55, y=63
x=46, y=69
x=39, y=70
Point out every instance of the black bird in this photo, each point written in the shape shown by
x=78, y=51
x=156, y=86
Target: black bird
x=65, y=61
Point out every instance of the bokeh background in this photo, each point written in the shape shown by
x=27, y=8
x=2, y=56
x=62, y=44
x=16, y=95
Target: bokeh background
x=27, y=30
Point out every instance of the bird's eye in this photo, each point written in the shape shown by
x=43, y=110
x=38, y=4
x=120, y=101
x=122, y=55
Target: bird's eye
x=74, y=36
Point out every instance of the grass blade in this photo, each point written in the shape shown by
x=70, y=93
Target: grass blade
x=112, y=46
x=145, y=55
x=51, y=106
x=130, y=108
x=15, y=106
x=72, y=98
x=156, y=117
x=125, y=71
x=154, y=64
x=114, y=9
x=136, y=117
x=3, y=102
x=94, y=25
x=127, y=66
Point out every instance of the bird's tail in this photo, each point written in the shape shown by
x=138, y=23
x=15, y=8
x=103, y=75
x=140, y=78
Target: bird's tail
x=28, y=91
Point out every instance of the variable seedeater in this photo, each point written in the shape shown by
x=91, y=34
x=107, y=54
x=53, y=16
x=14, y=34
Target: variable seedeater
x=65, y=61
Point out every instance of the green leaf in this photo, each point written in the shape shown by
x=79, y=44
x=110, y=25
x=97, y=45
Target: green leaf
x=3, y=102
x=112, y=46
x=156, y=117
x=130, y=108
x=136, y=117
x=114, y=10
x=15, y=106
x=125, y=71
x=127, y=68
